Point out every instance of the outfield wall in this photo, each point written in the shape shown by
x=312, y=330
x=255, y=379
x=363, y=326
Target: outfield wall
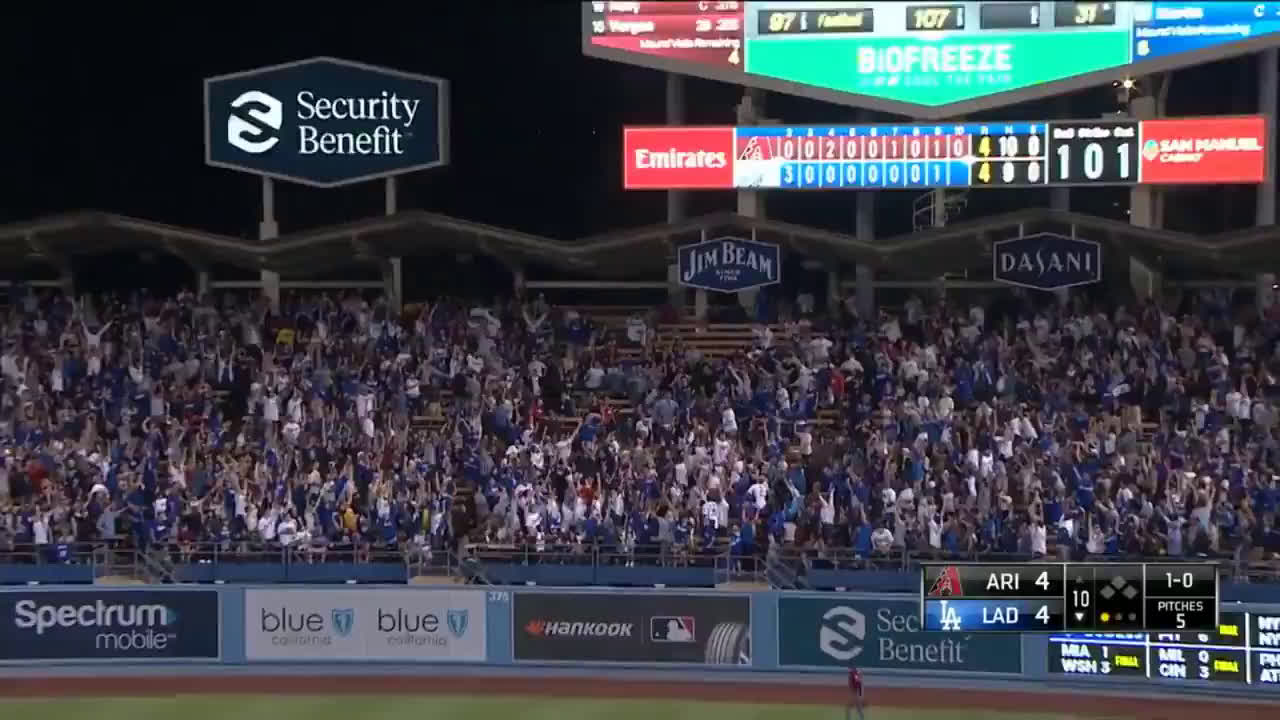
x=523, y=626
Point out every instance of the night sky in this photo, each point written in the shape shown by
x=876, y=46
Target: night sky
x=103, y=111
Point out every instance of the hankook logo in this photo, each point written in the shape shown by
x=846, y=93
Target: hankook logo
x=254, y=120
x=571, y=628
x=843, y=628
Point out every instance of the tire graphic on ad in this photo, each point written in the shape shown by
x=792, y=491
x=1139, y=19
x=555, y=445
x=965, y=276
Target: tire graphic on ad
x=729, y=644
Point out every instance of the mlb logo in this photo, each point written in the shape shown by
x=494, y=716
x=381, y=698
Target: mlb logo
x=672, y=629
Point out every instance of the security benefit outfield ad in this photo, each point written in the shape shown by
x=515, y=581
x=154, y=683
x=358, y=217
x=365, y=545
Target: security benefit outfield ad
x=633, y=628
x=832, y=631
x=342, y=625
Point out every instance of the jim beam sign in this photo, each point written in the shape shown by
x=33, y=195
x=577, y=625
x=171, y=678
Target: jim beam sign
x=730, y=264
x=1046, y=261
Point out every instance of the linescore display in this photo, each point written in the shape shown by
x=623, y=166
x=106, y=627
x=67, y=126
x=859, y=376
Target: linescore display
x=1205, y=150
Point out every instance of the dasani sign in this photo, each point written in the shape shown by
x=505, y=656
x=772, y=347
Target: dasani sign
x=1046, y=261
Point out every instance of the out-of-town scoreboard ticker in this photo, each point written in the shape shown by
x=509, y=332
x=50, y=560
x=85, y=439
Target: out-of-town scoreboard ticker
x=1207, y=150
x=1062, y=597
x=928, y=60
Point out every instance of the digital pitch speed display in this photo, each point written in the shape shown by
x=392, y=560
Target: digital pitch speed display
x=1212, y=150
x=1067, y=597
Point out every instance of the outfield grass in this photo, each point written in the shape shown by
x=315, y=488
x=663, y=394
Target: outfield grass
x=428, y=707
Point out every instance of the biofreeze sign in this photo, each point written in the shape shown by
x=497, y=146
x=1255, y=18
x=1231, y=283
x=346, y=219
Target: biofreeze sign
x=326, y=122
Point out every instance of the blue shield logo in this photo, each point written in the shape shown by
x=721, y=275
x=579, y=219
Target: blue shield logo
x=344, y=619
x=457, y=620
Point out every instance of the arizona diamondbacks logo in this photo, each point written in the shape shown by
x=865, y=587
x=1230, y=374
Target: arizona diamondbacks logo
x=344, y=619
x=458, y=620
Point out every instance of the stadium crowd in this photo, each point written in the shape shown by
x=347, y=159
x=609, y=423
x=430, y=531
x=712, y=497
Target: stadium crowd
x=1061, y=429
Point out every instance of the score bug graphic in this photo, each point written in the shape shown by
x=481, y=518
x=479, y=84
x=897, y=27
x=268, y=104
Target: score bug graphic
x=992, y=598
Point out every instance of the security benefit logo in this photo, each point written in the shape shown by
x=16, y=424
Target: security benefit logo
x=325, y=122
x=830, y=632
x=257, y=118
x=255, y=122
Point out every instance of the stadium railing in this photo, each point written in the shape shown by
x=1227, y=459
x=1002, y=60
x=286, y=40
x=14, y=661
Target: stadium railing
x=782, y=568
x=663, y=565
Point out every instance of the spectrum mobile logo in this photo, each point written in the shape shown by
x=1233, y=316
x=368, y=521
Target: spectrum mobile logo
x=30, y=615
x=119, y=626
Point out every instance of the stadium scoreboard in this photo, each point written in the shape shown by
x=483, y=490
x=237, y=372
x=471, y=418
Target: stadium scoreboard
x=1206, y=150
x=919, y=58
x=1066, y=597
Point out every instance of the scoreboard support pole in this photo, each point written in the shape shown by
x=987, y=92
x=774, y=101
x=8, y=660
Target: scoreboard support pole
x=1143, y=208
x=864, y=229
x=269, y=229
x=750, y=202
x=677, y=200
x=1268, y=88
x=1060, y=197
x=864, y=224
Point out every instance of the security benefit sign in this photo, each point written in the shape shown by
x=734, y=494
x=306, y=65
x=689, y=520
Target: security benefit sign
x=730, y=264
x=326, y=122
x=393, y=625
x=1046, y=261
x=634, y=628
x=837, y=632
x=125, y=625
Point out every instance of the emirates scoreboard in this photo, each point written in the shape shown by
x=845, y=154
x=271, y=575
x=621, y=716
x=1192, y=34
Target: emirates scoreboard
x=1209, y=150
x=1065, y=597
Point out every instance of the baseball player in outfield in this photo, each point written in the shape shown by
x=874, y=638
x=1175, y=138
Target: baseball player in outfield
x=855, y=695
